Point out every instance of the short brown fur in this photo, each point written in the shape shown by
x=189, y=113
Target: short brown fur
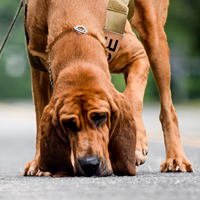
x=80, y=69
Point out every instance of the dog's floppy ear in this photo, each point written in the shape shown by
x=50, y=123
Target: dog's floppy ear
x=55, y=152
x=122, y=137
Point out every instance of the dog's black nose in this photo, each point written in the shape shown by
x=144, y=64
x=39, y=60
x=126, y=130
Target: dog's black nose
x=89, y=165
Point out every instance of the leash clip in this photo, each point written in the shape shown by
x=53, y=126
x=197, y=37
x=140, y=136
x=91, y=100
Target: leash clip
x=80, y=29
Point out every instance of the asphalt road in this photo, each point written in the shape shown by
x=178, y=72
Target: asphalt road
x=17, y=146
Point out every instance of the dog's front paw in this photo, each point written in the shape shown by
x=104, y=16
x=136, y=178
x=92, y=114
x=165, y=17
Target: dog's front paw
x=31, y=169
x=140, y=157
x=141, y=151
x=176, y=165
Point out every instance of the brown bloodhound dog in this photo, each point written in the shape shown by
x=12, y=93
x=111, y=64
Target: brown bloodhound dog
x=84, y=126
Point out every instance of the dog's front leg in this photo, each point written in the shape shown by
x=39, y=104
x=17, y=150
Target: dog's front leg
x=133, y=62
x=136, y=75
x=41, y=90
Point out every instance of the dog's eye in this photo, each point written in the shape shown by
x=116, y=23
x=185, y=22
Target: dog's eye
x=98, y=118
x=70, y=124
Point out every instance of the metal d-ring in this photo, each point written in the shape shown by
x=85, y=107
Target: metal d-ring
x=80, y=29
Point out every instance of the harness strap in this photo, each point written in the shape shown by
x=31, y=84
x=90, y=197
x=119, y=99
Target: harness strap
x=116, y=15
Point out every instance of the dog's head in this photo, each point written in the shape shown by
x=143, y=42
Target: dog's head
x=85, y=127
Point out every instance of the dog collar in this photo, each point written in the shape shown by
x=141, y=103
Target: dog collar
x=80, y=29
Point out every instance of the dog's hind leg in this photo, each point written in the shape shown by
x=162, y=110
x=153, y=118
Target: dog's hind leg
x=149, y=20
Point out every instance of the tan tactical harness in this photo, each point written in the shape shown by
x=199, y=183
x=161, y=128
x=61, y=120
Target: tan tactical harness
x=117, y=13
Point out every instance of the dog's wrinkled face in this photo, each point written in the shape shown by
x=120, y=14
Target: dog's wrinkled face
x=86, y=127
x=85, y=120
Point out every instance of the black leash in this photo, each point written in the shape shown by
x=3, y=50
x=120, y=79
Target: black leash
x=11, y=26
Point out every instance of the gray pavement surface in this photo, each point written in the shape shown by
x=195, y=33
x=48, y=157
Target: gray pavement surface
x=17, y=146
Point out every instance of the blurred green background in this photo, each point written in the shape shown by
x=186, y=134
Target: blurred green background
x=183, y=32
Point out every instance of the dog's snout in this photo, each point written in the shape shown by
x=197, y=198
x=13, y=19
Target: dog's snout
x=89, y=165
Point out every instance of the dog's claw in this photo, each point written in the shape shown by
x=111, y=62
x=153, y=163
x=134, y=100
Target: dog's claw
x=177, y=168
x=189, y=168
x=145, y=152
x=169, y=168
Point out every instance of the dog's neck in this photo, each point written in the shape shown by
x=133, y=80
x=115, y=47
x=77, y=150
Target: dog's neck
x=74, y=47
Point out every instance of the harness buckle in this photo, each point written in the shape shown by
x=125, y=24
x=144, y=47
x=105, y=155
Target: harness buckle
x=80, y=29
